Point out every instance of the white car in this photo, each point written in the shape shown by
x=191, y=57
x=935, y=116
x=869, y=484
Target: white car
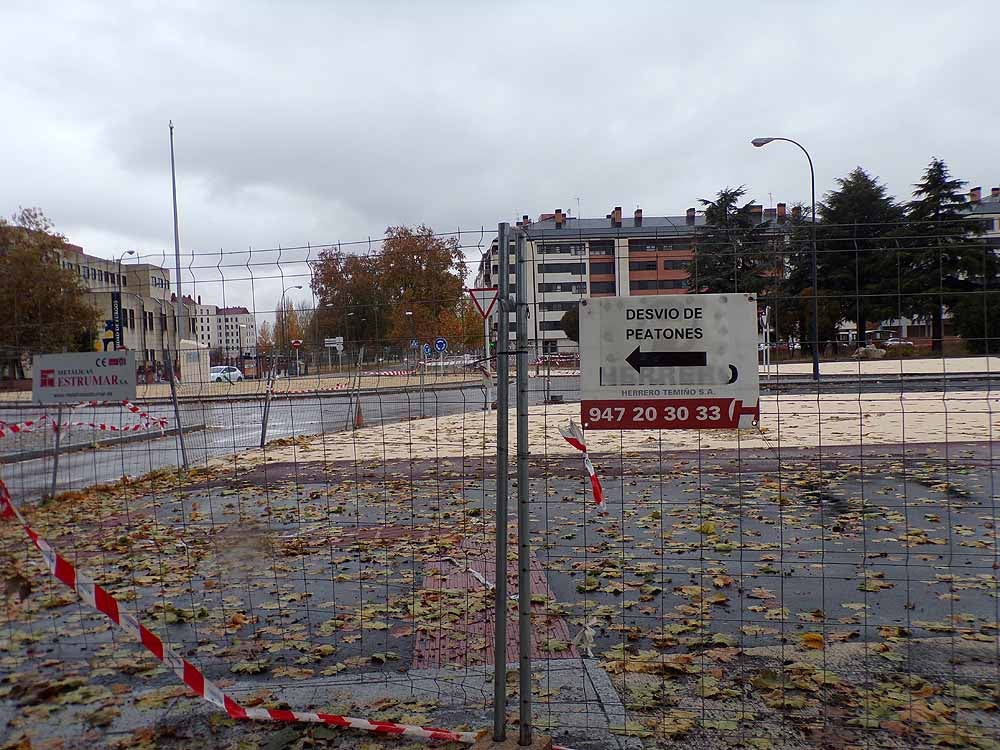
x=224, y=374
x=897, y=342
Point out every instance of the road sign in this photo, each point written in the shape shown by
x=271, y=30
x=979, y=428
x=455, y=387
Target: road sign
x=440, y=344
x=427, y=350
x=332, y=343
x=484, y=299
x=669, y=362
x=296, y=343
x=89, y=376
x=414, y=344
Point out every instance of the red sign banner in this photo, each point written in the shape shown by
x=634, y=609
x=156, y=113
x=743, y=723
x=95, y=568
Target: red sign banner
x=669, y=414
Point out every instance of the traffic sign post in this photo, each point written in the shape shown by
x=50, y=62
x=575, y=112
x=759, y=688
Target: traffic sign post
x=484, y=300
x=669, y=362
x=337, y=342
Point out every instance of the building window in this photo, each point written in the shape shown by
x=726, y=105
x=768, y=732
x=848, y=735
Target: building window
x=655, y=244
x=131, y=318
x=558, y=306
x=673, y=283
x=597, y=268
x=642, y=265
x=575, y=268
x=86, y=272
x=642, y=285
x=550, y=325
x=560, y=249
x=602, y=287
x=675, y=265
x=550, y=346
x=566, y=287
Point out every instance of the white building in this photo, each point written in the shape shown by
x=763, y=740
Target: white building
x=228, y=332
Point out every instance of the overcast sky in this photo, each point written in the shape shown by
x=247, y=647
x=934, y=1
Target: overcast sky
x=318, y=121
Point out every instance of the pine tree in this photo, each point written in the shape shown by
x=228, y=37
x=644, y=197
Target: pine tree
x=730, y=253
x=940, y=258
x=858, y=242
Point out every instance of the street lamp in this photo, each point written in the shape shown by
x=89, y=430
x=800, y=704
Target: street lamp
x=118, y=284
x=759, y=142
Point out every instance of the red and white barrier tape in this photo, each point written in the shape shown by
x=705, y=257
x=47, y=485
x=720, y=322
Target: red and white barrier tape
x=573, y=435
x=28, y=426
x=128, y=405
x=99, y=599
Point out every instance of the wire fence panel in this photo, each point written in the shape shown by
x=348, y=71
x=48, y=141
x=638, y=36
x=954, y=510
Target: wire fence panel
x=827, y=578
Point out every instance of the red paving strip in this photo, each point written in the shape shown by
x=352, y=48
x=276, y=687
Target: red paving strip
x=467, y=638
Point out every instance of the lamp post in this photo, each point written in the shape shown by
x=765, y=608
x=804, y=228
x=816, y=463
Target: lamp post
x=118, y=286
x=284, y=322
x=759, y=142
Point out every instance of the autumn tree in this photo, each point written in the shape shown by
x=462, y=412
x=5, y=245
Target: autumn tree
x=265, y=338
x=46, y=307
x=366, y=298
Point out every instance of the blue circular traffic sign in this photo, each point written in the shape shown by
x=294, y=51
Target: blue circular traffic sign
x=440, y=344
x=427, y=350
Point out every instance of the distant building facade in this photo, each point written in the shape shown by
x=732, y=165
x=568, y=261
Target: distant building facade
x=570, y=259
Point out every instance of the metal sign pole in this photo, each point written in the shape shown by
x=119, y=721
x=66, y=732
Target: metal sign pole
x=55, y=454
x=500, y=590
x=523, y=521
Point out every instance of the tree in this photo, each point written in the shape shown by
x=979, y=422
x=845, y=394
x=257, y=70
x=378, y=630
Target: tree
x=730, y=253
x=858, y=240
x=265, y=338
x=570, y=323
x=940, y=259
x=46, y=307
x=366, y=298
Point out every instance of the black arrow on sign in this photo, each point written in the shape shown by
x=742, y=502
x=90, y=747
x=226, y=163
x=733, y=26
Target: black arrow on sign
x=639, y=359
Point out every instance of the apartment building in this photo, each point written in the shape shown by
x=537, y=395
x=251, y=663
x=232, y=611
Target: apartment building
x=147, y=313
x=570, y=258
x=228, y=332
x=148, y=307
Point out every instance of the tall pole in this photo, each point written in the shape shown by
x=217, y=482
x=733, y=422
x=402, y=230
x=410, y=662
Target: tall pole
x=758, y=142
x=500, y=590
x=523, y=520
x=179, y=306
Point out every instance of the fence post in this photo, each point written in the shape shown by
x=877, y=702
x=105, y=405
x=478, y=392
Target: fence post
x=177, y=408
x=268, y=388
x=523, y=521
x=55, y=453
x=500, y=590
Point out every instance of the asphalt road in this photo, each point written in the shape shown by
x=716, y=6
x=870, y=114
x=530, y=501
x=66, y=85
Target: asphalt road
x=234, y=426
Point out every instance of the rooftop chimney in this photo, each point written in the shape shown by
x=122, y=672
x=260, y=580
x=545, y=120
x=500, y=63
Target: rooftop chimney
x=638, y=217
x=199, y=299
x=976, y=194
x=780, y=208
x=560, y=218
x=770, y=214
x=995, y=192
x=690, y=216
x=525, y=220
x=757, y=212
x=616, y=217
x=796, y=212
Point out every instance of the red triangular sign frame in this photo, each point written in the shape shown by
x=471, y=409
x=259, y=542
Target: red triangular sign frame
x=480, y=296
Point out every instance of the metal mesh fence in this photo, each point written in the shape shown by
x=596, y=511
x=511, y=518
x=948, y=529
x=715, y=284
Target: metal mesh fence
x=824, y=579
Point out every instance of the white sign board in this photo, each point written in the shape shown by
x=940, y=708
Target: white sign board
x=678, y=361
x=87, y=376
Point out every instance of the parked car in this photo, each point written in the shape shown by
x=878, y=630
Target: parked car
x=894, y=342
x=225, y=374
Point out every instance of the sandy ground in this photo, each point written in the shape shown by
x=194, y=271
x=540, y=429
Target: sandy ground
x=922, y=366
x=789, y=421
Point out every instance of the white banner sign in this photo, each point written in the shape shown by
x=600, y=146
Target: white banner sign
x=87, y=376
